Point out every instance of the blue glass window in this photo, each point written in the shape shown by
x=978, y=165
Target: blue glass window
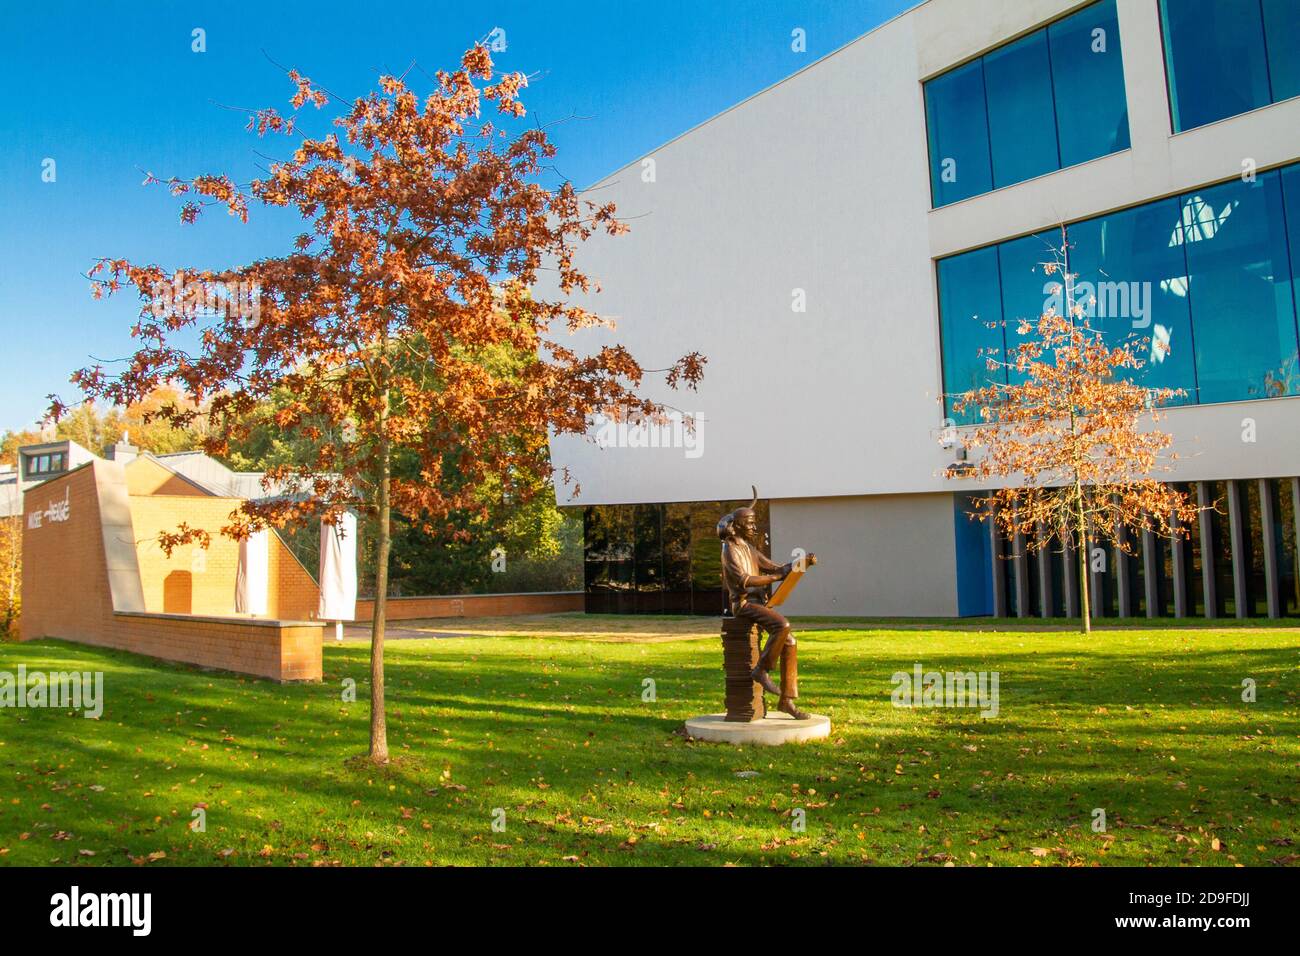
x=959, y=135
x=1026, y=287
x=1022, y=117
x=1052, y=98
x=1088, y=82
x=1291, y=203
x=971, y=305
x=1136, y=278
x=1282, y=36
x=1207, y=282
x=1218, y=60
x=1234, y=236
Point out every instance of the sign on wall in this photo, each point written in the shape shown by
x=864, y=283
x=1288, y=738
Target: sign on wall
x=56, y=510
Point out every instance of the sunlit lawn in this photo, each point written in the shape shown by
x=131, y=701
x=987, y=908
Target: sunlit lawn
x=553, y=732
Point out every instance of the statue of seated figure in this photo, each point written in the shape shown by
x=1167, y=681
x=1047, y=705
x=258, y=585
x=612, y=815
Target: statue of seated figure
x=746, y=575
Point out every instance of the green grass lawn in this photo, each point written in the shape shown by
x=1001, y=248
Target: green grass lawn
x=1148, y=725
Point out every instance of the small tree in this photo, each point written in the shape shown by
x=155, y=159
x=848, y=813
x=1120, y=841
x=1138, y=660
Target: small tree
x=426, y=229
x=1068, y=435
x=11, y=549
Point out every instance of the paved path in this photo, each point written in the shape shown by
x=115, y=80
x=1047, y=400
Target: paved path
x=397, y=631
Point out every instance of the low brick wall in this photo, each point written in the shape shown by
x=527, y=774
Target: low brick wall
x=279, y=650
x=473, y=605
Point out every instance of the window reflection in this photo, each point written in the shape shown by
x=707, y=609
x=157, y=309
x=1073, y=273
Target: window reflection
x=657, y=558
x=1203, y=281
x=1050, y=99
x=1226, y=58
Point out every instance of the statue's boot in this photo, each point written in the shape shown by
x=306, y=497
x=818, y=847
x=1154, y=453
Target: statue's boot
x=767, y=660
x=790, y=682
x=788, y=706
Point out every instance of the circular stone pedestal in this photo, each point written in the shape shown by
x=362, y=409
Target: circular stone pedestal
x=775, y=729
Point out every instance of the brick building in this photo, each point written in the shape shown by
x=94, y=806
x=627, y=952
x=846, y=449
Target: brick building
x=96, y=574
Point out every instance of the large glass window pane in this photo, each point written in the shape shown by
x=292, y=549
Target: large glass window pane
x=1137, y=281
x=1088, y=81
x=1026, y=288
x=1256, y=581
x=969, y=303
x=608, y=559
x=1243, y=317
x=1282, y=35
x=1022, y=118
x=956, y=122
x=1291, y=204
x=1220, y=551
x=677, y=559
x=649, y=558
x=1214, y=53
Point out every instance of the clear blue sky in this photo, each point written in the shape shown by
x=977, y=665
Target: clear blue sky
x=109, y=89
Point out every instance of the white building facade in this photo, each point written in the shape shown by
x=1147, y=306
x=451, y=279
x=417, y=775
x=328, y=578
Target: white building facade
x=838, y=244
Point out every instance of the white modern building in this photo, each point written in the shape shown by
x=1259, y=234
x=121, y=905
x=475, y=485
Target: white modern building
x=837, y=244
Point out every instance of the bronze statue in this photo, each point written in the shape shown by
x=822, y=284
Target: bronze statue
x=746, y=575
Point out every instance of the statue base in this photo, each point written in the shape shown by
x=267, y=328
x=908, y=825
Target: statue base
x=770, y=731
x=744, y=698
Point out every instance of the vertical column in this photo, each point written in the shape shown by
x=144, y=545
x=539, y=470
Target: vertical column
x=1295, y=509
x=1207, y=550
x=1046, y=584
x=1267, y=517
x=1178, y=552
x=1237, y=532
x=1151, y=572
x=999, y=566
x=1070, y=575
x=1123, y=571
x=1097, y=579
x=1021, y=575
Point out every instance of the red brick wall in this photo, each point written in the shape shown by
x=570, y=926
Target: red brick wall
x=474, y=605
x=293, y=594
x=280, y=650
x=65, y=575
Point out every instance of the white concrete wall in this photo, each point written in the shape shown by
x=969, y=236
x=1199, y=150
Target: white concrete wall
x=821, y=183
x=877, y=556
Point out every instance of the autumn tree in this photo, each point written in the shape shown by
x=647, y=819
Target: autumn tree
x=541, y=544
x=11, y=549
x=426, y=226
x=95, y=428
x=1071, y=436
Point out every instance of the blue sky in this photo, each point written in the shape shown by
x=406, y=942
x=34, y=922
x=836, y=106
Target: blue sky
x=109, y=89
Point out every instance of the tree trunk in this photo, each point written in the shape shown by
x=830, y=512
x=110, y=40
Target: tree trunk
x=378, y=718
x=1085, y=595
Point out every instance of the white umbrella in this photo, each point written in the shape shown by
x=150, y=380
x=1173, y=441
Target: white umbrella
x=338, y=571
x=252, y=573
